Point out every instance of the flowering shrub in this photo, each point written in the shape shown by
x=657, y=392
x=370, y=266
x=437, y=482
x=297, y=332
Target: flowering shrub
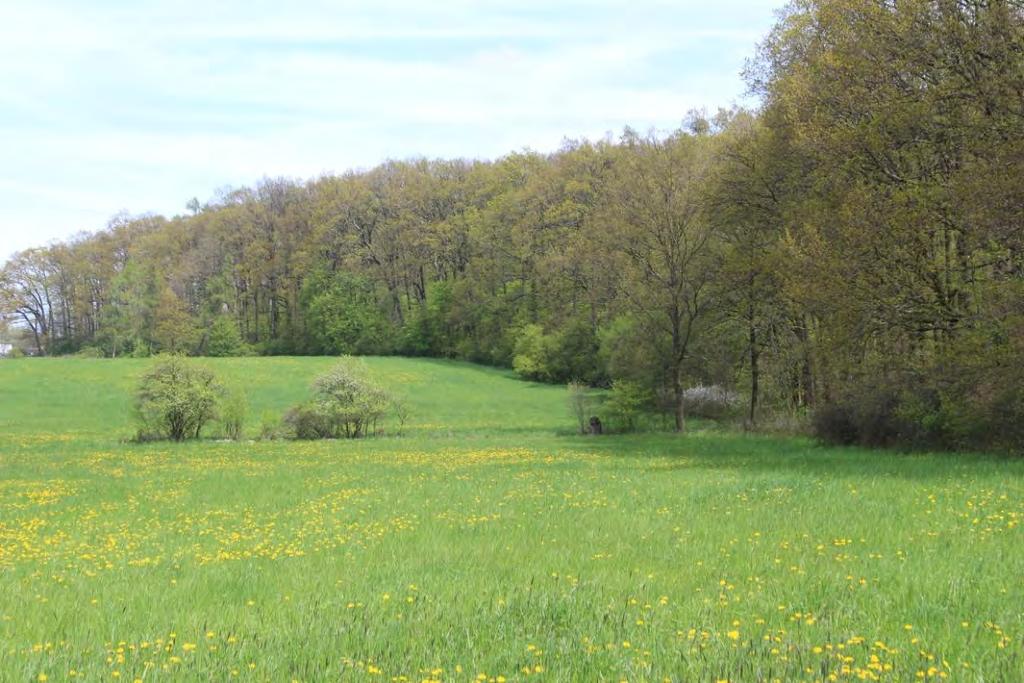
x=714, y=401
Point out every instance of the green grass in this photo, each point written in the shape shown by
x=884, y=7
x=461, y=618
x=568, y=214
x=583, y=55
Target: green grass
x=485, y=541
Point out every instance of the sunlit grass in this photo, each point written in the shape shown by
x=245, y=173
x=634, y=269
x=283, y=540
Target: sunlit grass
x=486, y=541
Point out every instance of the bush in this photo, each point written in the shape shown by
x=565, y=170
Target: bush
x=834, y=423
x=270, y=426
x=534, y=352
x=581, y=403
x=713, y=402
x=626, y=403
x=346, y=404
x=866, y=414
x=232, y=414
x=342, y=313
x=175, y=400
x=570, y=353
x=952, y=406
x=309, y=421
x=90, y=352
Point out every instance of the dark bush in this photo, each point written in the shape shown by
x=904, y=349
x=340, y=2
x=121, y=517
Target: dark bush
x=970, y=399
x=834, y=423
x=863, y=415
x=307, y=421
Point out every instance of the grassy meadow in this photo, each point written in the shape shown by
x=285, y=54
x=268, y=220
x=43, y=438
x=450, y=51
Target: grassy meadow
x=485, y=543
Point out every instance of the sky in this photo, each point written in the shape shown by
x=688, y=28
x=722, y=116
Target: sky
x=114, y=106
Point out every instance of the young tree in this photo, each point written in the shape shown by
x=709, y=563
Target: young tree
x=174, y=329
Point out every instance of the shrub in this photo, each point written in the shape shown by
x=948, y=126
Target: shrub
x=834, y=423
x=175, y=400
x=342, y=313
x=90, y=352
x=270, y=426
x=967, y=395
x=232, y=414
x=581, y=404
x=534, y=352
x=400, y=407
x=571, y=352
x=863, y=414
x=309, y=421
x=713, y=402
x=346, y=404
x=626, y=403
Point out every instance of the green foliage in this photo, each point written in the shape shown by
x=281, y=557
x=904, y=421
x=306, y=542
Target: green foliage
x=224, y=339
x=570, y=353
x=233, y=410
x=625, y=404
x=270, y=426
x=849, y=248
x=629, y=352
x=533, y=354
x=969, y=397
x=175, y=399
x=343, y=314
x=431, y=327
x=174, y=329
x=308, y=421
x=346, y=404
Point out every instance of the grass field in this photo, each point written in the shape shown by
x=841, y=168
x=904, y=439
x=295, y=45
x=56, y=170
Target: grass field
x=485, y=543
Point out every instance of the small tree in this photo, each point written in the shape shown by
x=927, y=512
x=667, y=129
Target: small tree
x=224, y=339
x=232, y=415
x=580, y=403
x=346, y=404
x=626, y=402
x=175, y=399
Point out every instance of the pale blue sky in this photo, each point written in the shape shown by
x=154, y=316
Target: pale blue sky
x=139, y=105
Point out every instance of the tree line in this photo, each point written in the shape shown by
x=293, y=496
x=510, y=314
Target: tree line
x=854, y=248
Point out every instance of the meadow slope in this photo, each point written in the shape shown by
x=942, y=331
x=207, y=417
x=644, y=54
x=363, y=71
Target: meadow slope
x=485, y=543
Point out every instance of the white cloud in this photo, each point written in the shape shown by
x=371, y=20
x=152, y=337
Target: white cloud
x=117, y=104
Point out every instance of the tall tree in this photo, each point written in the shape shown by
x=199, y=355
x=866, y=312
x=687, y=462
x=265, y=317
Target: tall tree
x=654, y=217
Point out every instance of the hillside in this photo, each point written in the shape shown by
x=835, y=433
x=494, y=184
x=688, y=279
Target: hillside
x=93, y=398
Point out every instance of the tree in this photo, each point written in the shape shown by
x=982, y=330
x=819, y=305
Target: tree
x=654, y=216
x=26, y=290
x=174, y=329
x=224, y=339
x=749, y=186
x=343, y=315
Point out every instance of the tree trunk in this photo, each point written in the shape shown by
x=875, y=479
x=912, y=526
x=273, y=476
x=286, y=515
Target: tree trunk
x=755, y=375
x=680, y=403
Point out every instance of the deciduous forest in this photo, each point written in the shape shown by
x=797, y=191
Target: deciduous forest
x=851, y=251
